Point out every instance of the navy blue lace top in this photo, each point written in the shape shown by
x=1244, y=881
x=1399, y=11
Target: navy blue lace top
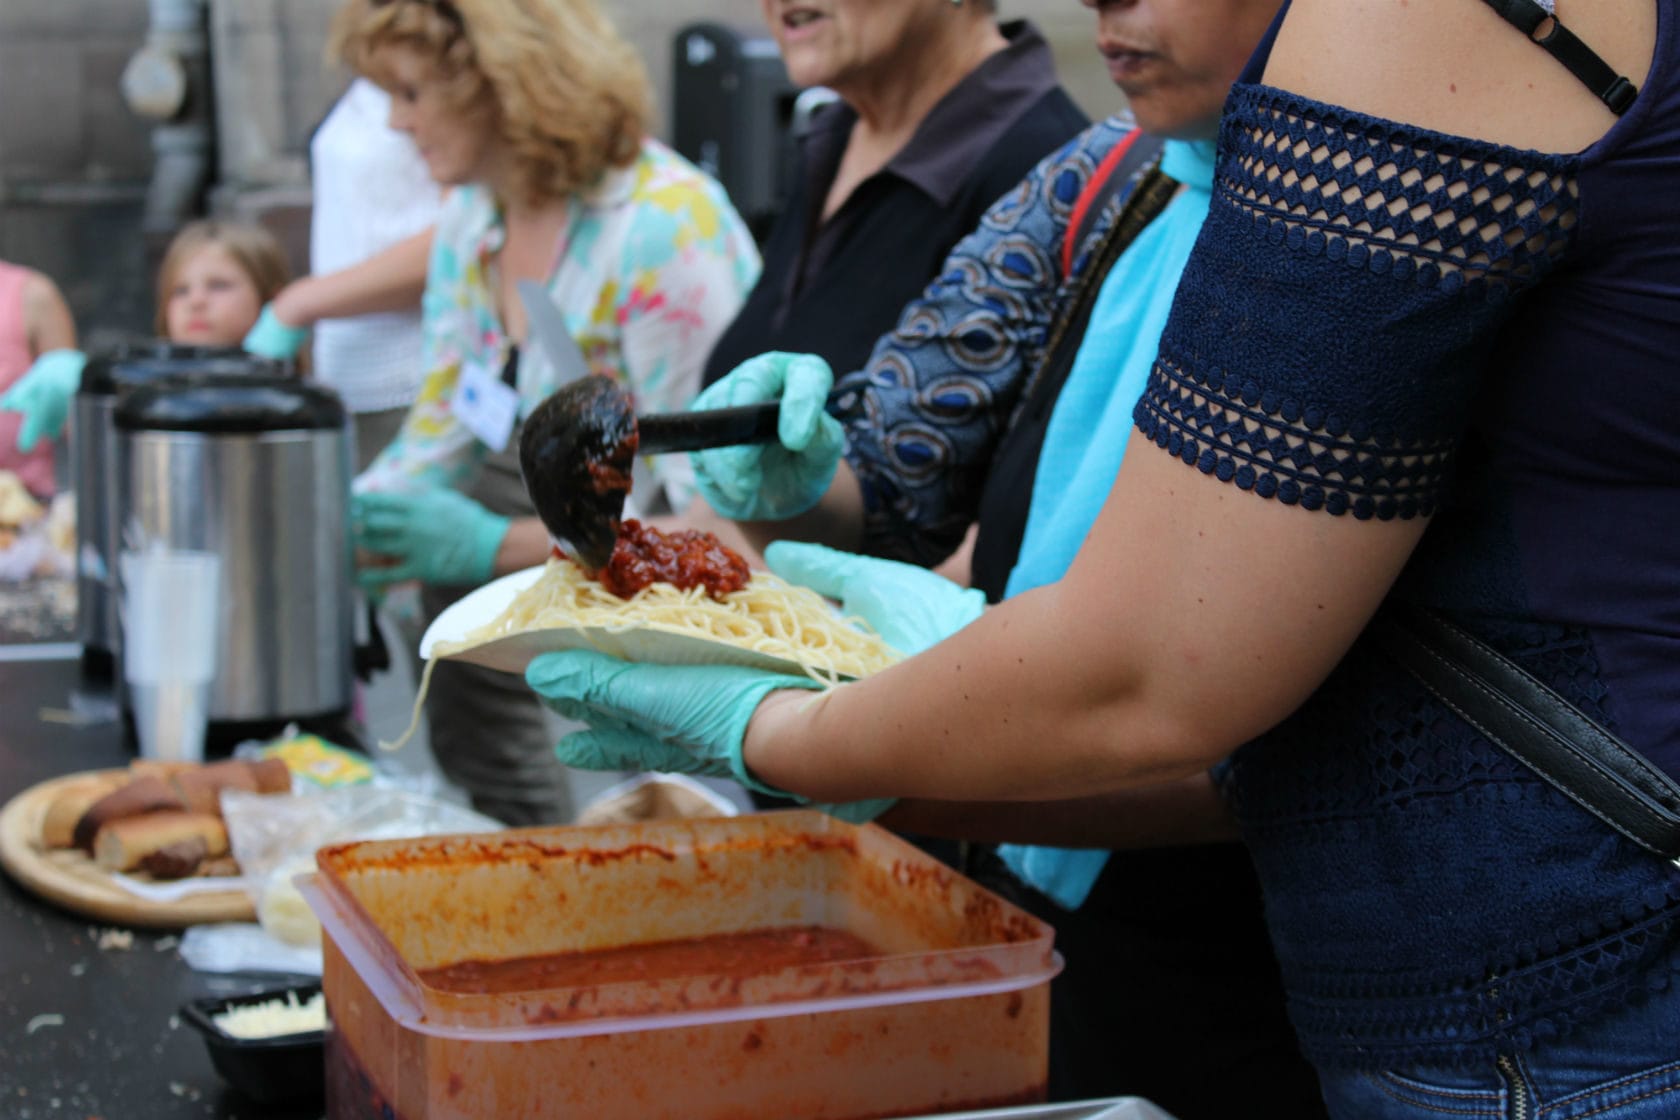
x=1383, y=322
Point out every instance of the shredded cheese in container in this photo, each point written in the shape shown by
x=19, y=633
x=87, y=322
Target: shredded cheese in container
x=275, y=1017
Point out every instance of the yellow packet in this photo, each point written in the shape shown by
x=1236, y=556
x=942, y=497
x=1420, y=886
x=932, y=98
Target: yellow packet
x=312, y=759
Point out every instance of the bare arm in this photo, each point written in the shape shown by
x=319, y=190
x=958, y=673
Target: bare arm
x=836, y=521
x=1459, y=68
x=51, y=326
x=526, y=545
x=959, y=567
x=1188, y=811
x=392, y=280
x=1149, y=684
x=1197, y=616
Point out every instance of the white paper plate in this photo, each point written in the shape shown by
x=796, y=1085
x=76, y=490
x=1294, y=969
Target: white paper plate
x=512, y=653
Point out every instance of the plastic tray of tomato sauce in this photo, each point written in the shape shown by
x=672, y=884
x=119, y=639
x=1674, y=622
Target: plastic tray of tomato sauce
x=451, y=989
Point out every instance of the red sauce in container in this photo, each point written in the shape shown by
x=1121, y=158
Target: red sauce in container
x=747, y=953
x=685, y=558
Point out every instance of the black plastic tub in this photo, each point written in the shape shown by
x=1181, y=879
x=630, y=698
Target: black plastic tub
x=284, y=1068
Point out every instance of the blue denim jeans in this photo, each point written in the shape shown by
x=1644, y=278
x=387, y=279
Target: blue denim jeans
x=1623, y=1067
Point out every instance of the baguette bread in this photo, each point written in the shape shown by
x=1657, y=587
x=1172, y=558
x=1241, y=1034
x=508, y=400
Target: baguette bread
x=163, y=818
x=177, y=860
x=273, y=775
x=157, y=768
x=58, y=827
x=221, y=866
x=138, y=797
x=200, y=788
x=123, y=845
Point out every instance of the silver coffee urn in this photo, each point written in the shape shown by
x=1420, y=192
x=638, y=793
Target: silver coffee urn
x=97, y=477
x=256, y=470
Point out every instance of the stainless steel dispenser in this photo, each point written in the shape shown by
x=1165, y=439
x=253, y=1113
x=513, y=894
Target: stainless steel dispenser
x=97, y=475
x=256, y=470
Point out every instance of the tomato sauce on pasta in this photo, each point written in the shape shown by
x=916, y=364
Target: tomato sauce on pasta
x=685, y=559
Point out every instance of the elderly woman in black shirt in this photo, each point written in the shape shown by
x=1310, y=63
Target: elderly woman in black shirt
x=941, y=111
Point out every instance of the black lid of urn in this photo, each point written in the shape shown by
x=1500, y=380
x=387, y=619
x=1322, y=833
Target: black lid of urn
x=219, y=404
x=138, y=362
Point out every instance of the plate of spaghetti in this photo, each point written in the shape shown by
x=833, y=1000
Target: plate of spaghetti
x=752, y=619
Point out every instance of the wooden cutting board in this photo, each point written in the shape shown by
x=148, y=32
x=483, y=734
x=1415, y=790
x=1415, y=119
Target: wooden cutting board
x=72, y=880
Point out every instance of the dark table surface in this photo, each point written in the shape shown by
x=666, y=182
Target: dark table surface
x=121, y=1052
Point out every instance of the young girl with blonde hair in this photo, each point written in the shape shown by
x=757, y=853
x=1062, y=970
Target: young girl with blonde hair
x=213, y=282
x=215, y=277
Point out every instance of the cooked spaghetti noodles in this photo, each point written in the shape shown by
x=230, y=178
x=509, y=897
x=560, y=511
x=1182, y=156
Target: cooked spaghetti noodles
x=769, y=616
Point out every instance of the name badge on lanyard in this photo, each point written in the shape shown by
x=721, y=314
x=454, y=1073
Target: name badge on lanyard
x=485, y=406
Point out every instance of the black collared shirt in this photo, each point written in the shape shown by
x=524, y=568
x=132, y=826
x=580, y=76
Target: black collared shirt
x=832, y=288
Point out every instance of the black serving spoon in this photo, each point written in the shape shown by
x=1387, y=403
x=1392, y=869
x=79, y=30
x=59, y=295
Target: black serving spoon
x=579, y=445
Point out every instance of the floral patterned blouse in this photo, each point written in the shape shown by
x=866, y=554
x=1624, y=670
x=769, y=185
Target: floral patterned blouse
x=652, y=266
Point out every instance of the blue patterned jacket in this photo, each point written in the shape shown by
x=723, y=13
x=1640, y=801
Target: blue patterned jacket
x=943, y=385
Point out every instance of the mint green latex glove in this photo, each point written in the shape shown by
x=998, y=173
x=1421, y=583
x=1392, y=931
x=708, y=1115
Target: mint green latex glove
x=43, y=395
x=768, y=482
x=674, y=719
x=271, y=338
x=435, y=536
x=911, y=608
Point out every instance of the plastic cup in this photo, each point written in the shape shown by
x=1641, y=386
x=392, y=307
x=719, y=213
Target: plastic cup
x=170, y=719
x=171, y=601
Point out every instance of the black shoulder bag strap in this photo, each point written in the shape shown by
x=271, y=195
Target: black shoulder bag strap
x=1517, y=712
x=1002, y=510
x=1562, y=44
x=1509, y=706
x=1140, y=161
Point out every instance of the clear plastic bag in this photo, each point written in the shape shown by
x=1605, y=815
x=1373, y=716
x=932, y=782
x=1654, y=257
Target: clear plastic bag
x=275, y=838
x=39, y=549
x=26, y=557
x=245, y=947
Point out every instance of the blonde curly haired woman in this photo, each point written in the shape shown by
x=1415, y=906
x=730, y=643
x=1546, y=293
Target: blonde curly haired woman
x=535, y=113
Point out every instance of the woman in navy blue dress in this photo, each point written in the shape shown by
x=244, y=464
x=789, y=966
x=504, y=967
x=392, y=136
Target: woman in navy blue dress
x=1421, y=354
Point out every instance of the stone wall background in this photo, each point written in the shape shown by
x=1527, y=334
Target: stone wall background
x=75, y=160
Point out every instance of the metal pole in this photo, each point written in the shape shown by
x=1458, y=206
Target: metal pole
x=168, y=81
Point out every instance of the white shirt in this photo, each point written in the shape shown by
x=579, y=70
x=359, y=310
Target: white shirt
x=371, y=190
